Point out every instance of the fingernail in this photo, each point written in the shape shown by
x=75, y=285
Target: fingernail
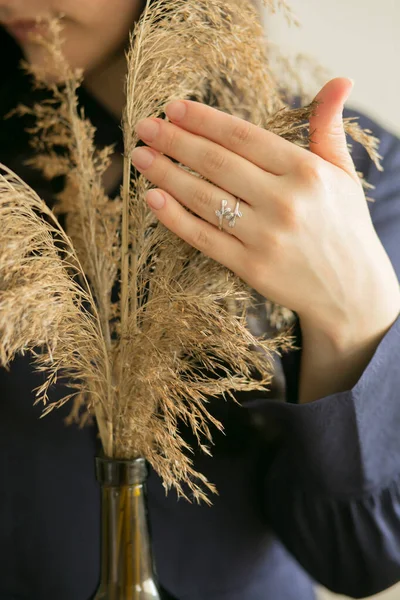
x=142, y=158
x=175, y=110
x=155, y=199
x=147, y=129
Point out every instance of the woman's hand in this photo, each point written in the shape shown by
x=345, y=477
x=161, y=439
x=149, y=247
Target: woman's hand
x=305, y=238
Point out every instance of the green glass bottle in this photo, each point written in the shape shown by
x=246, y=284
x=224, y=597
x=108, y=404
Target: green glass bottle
x=127, y=568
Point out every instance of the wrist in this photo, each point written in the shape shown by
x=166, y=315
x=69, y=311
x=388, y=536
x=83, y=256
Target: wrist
x=333, y=361
x=354, y=331
x=365, y=319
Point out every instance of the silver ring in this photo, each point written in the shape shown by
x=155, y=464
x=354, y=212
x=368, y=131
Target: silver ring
x=228, y=214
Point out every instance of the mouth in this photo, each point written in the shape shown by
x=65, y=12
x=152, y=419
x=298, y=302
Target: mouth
x=23, y=29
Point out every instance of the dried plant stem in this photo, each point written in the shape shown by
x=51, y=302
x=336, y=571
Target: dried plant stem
x=137, y=534
x=128, y=262
x=128, y=557
x=128, y=554
x=106, y=431
x=128, y=302
x=123, y=499
x=126, y=190
x=104, y=422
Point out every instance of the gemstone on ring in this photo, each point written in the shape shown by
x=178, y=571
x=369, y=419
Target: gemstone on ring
x=228, y=214
x=232, y=216
x=222, y=212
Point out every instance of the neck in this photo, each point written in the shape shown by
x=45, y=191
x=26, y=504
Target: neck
x=107, y=81
x=107, y=84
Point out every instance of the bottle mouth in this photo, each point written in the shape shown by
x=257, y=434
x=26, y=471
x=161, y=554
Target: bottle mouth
x=118, y=471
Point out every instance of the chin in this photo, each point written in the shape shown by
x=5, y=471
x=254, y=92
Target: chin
x=38, y=57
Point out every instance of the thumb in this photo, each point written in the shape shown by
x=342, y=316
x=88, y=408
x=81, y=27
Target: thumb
x=328, y=137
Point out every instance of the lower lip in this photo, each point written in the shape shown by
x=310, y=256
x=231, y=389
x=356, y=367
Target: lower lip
x=23, y=32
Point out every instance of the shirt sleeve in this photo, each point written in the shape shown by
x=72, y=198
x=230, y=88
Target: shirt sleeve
x=332, y=493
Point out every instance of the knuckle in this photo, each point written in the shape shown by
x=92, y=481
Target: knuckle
x=178, y=223
x=171, y=140
x=288, y=214
x=213, y=161
x=202, y=197
x=310, y=170
x=201, y=240
x=241, y=133
x=163, y=176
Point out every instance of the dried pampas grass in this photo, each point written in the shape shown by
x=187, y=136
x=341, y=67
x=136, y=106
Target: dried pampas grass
x=43, y=309
x=179, y=335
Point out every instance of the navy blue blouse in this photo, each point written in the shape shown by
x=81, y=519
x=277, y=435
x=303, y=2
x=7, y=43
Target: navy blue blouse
x=307, y=493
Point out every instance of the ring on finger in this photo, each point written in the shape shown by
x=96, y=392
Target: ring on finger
x=228, y=214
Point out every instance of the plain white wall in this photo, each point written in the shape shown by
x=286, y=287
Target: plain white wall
x=352, y=38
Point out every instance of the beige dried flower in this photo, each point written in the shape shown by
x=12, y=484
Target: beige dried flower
x=179, y=335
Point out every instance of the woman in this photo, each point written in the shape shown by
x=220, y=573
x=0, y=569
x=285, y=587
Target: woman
x=308, y=489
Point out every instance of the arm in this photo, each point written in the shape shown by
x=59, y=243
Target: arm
x=333, y=361
x=333, y=492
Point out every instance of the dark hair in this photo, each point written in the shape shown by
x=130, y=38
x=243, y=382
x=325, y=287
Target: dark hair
x=14, y=88
x=11, y=53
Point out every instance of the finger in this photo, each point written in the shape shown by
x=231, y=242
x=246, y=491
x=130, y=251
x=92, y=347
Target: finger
x=216, y=244
x=261, y=147
x=200, y=196
x=226, y=169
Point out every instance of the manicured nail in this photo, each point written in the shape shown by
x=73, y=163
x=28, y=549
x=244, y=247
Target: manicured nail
x=142, y=158
x=147, y=129
x=155, y=199
x=175, y=110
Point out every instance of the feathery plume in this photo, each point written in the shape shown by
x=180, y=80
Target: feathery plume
x=179, y=336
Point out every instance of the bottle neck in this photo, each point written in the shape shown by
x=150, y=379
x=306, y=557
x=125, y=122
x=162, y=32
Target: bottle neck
x=127, y=570
x=117, y=472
